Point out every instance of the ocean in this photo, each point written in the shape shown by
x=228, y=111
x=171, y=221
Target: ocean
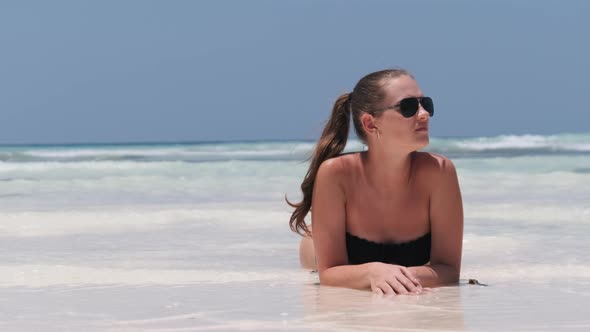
x=195, y=237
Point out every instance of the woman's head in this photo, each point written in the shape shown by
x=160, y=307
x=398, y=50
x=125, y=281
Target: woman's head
x=384, y=105
x=368, y=104
x=369, y=94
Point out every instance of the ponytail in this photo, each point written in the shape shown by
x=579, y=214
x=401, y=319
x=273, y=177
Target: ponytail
x=368, y=94
x=330, y=145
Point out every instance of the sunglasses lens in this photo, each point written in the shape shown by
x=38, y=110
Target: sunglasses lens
x=408, y=107
x=428, y=105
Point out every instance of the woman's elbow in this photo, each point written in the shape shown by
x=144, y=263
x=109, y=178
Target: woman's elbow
x=324, y=280
x=307, y=254
x=446, y=273
x=327, y=278
x=454, y=274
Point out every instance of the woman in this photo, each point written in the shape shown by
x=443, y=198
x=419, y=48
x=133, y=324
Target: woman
x=389, y=219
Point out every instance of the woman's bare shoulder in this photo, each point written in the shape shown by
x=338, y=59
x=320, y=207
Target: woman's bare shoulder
x=341, y=166
x=433, y=164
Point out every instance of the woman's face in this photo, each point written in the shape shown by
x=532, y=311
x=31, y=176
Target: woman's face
x=395, y=129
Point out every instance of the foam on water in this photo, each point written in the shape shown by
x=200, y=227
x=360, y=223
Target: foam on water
x=122, y=219
x=540, y=273
x=507, y=143
x=138, y=219
x=522, y=165
x=58, y=223
x=43, y=275
x=530, y=214
x=289, y=150
x=90, y=165
x=75, y=276
x=196, y=152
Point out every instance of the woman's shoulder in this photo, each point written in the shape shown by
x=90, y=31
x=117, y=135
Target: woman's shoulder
x=433, y=163
x=334, y=173
x=341, y=165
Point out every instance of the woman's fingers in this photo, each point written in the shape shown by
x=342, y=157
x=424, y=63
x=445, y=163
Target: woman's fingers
x=401, y=286
x=400, y=281
x=385, y=288
x=398, y=287
x=377, y=290
x=411, y=276
x=408, y=284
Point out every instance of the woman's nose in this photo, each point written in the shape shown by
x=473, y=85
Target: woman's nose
x=423, y=115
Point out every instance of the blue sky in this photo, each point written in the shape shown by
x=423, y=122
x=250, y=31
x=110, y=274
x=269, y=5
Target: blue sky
x=133, y=71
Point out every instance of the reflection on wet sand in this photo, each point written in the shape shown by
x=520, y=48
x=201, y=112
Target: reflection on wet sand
x=340, y=309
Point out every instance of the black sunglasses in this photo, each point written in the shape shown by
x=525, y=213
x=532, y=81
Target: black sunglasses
x=409, y=106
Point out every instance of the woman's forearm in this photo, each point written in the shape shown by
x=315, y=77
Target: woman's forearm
x=359, y=276
x=350, y=276
x=436, y=274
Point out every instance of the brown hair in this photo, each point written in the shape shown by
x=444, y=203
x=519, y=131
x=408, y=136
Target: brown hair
x=364, y=98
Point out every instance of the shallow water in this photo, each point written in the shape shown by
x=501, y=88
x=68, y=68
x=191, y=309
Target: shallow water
x=293, y=305
x=195, y=238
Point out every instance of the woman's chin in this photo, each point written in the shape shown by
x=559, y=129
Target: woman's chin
x=422, y=142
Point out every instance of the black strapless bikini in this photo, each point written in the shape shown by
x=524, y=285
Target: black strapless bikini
x=411, y=253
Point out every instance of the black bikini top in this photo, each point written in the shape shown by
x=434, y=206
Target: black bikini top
x=411, y=253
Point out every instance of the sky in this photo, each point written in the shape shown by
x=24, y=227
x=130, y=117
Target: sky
x=226, y=70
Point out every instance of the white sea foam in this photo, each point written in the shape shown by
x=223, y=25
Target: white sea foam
x=200, y=151
x=580, y=147
x=484, y=246
x=527, y=273
x=72, y=153
x=298, y=150
x=41, y=275
x=522, y=143
x=518, y=164
x=53, y=223
x=112, y=219
x=88, y=165
x=530, y=213
x=507, y=142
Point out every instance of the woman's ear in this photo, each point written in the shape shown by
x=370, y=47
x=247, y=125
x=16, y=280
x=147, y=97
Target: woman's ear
x=368, y=122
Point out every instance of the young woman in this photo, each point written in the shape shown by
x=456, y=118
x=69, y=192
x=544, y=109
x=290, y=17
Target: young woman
x=390, y=218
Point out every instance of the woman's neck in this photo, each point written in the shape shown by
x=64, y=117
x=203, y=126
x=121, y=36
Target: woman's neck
x=387, y=167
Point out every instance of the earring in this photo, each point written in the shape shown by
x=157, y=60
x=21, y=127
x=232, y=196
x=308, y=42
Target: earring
x=378, y=133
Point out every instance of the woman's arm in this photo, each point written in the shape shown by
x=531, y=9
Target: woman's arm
x=328, y=215
x=446, y=224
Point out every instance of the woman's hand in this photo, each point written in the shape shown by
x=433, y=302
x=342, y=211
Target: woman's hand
x=392, y=279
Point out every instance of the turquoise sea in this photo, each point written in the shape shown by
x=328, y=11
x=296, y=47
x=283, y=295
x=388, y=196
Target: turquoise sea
x=195, y=237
